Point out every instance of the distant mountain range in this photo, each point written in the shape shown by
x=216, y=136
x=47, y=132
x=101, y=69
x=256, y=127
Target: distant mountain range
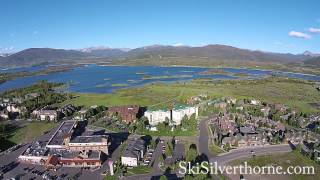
x=34, y=56
x=105, y=51
x=315, y=61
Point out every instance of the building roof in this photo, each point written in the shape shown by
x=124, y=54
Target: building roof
x=127, y=113
x=134, y=147
x=80, y=154
x=36, y=148
x=48, y=112
x=175, y=107
x=64, y=129
x=247, y=129
x=88, y=139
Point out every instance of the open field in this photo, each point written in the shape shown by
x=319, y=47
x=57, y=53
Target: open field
x=284, y=160
x=30, y=131
x=297, y=94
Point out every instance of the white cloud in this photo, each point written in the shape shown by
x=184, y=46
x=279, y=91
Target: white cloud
x=299, y=35
x=178, y=44
x=10, y=49
x=314, y=30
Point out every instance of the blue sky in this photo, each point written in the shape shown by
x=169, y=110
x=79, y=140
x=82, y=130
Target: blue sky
x=270, y=25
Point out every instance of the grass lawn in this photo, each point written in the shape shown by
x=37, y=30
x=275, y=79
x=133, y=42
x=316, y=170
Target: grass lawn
x=285, y=160
x=214, y=149
x=138, y=170
x=294, y=93
x=31, y=131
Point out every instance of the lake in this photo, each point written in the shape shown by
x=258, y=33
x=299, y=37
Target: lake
x=107, y=79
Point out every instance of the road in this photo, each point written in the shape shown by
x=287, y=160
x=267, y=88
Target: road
x=246, y=152
x=203, y=144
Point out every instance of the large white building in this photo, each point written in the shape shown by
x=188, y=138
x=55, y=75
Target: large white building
x=175, y=115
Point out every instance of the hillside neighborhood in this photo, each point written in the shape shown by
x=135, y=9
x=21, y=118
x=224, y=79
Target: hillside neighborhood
x=130, y=139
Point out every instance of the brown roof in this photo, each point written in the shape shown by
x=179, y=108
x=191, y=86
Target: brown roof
x=52, y=161
x=127, y=113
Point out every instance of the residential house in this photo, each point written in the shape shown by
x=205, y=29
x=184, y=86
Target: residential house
x=254, y=102
x=248, y=129
x=46, y=115
x=31, y=96
x=220, y=105
x=17, y=100
x=280, y=107
x=241, y=141
x=230, y=100
x=265, y=110
x=255, y=140
x=226, y=125
x=134, y=152
x=3, y=115
x=13, y=108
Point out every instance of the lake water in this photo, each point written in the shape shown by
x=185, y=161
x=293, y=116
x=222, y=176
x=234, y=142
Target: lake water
x=106, y=79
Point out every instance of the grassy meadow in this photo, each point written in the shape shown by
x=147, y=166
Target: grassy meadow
x=297, y=94
x=30, y=131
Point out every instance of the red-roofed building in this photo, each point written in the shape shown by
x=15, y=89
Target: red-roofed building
x=128, y=114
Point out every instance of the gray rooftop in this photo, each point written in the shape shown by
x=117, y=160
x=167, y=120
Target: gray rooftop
x=88, y=139
x=36, y=148
x=134, y=147
x=64, y=129
x=65, y=154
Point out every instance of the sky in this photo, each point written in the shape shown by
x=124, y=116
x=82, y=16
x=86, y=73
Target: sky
x=287, y=26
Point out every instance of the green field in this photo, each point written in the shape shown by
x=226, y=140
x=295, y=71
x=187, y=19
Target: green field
x=30, y=131
x=296, y=94
x=138, y=170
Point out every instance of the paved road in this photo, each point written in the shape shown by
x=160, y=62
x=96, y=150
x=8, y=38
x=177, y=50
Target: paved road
x=203, y=144
x=246, y=152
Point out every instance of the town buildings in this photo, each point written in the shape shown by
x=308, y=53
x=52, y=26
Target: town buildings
x=67, y=147
x=174, y=116
x=46, y=115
